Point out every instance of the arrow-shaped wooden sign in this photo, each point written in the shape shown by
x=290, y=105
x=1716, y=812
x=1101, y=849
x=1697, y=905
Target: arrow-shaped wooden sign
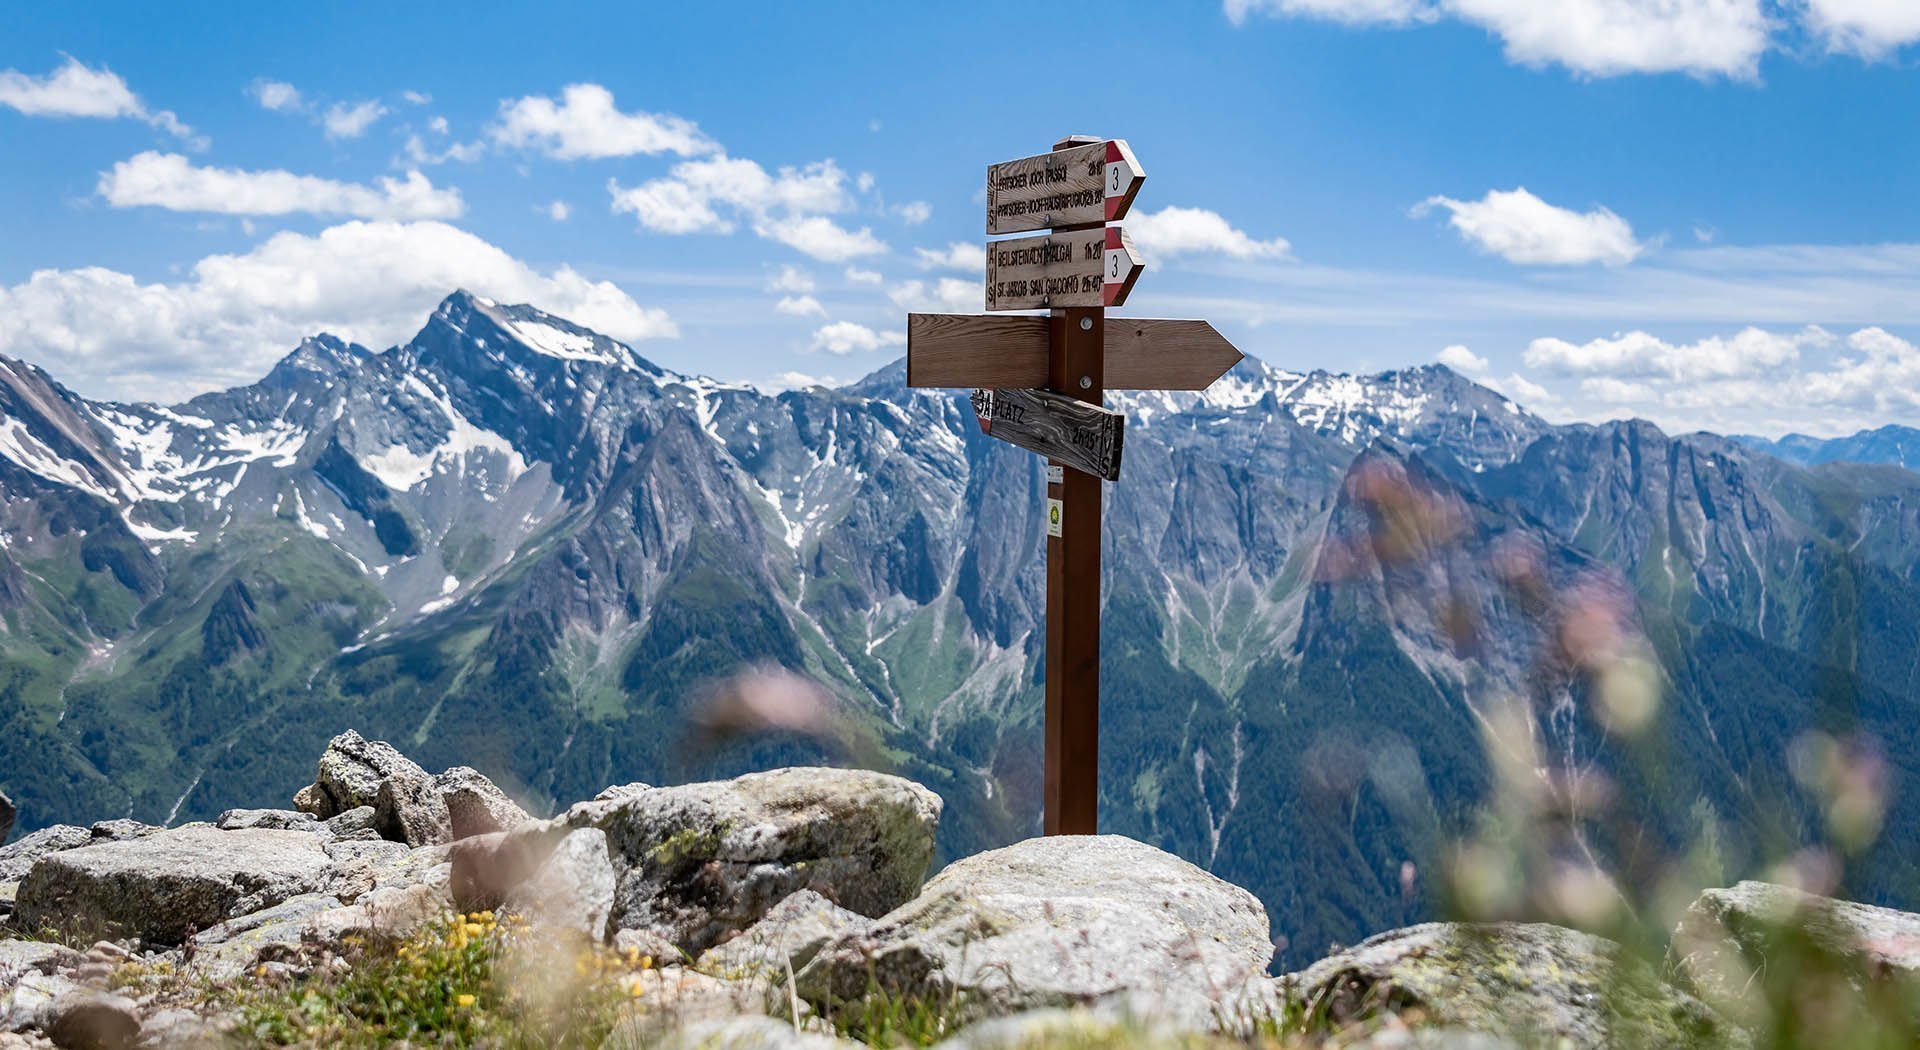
x=1066, y=430
x=976, y=350
x=1095, y=267
x=1079, y=186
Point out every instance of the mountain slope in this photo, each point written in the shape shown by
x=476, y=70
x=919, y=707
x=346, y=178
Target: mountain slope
x=516, y=544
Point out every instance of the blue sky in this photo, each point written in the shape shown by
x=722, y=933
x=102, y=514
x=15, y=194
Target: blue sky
x=1698, y=211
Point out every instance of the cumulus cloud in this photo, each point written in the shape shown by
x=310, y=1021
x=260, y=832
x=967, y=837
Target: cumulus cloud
x=1601, y=38
x=277, y=96
x=1174, y=231
x=1461, y=359
x=1518, y=388
x=946, y=295
x=108, y=334
x=171, y=181
x=913, y=213
x=791, y=279
x=343, y=121
x=558, y=211
x=585, y=123
x=1872, y=29
x=1522, y=228
x=717, y=194
x=76, y=90
x=846, y=337
x=859, y=276
x=1751, y=352
x=800, y=306
x=959, y=255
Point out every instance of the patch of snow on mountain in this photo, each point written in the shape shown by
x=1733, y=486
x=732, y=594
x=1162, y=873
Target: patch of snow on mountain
x=556, y=342
x=19, y=444
x=400, y=468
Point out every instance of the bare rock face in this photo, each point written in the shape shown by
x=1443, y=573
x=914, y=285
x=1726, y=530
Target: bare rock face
x=164, y=886
x=408, y=808
x=789, y=935
x=1757, y=947
x=1532, y=983
x=699, y=861
x=16, y=860
x=269, y=819
x=474, y=805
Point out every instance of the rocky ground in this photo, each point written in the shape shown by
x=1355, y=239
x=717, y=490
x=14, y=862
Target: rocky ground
x=791, y=909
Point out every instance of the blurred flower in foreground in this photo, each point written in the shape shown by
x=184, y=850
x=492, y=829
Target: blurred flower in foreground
x=771, y=700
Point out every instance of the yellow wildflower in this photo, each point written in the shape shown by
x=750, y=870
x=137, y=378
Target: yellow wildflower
x=463, y=1000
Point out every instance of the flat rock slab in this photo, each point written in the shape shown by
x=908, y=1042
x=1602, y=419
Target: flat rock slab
x=18, y=859
x=1057, y=922
x=1533, y=983
x=789, y=935
x=699, y=861
x=164, y=886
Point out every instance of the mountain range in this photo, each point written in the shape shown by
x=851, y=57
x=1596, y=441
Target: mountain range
x=516, y=544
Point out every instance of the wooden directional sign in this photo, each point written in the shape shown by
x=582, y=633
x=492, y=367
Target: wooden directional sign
x=1078, y=186
x=975, y=350
x=1094, y=267
x=1070, y=432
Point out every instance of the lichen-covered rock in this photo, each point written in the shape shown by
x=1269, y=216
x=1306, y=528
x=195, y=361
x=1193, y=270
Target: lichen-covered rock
x=1057, y=922
x=356, y=823
x=408, y=808
x=232, y=948
x=164, y=886
x=573, y=890
x=350, y=773
x=1529, y=982
x=18, y=859
x=699, y=861
x=474, y=805
x=7, y=815
x=1751, y=949
x=790, y=934
x=269, y=820
x=90, y=1019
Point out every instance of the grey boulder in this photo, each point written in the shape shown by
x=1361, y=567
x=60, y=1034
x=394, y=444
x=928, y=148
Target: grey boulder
x=699, y=861
x=408, y=808
x=1532, y=983
x=1749, y=949
x=790, y=934
x=164, y=886
x=269, y=820
x=474, y=805
x=16, y=860
x=350, y=773
x=89, y=1019
x=573, y=889
x=1058, y=922
x=233, y=948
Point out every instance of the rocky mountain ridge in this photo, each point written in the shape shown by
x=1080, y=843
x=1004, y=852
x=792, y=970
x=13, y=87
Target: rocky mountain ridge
x=515, y=544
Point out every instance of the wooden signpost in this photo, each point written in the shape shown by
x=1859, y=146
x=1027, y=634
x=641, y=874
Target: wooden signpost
x=1041, y=380
x=1094, y=267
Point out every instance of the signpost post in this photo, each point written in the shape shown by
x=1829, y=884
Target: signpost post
x=1041, y=381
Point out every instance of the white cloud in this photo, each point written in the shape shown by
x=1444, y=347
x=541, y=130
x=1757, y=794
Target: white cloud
x=171, y=181
x=913, y=213
x=791, y=279
x=276, y=95
x=784, y=381
x=108, y=334
x=859, y=276
x=1601, y=38
x=1872, y=29
x=716, y=194
x=585, y=123
x=1174, y=231
x=846, y=337
x=558, y=211
x=1461, y=359
x=75, y=90
x=947, y=295
x=1751, y=352
x=1522, y=228
x=416, y=98
x=350, y=122
x=1519, y=388
x=800, y=306
x=419, y=154
x=959, y=255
